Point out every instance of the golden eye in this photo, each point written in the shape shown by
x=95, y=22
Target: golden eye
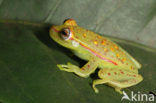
x=66, y=34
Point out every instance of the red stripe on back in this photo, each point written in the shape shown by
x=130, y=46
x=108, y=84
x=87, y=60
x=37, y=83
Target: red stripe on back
x=98, y=55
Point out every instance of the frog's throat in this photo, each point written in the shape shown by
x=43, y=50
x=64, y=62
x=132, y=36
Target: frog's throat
x=92, y=51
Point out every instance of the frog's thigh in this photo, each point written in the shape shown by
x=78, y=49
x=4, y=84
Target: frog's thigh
x=117, y=79
x=125, y=83
x=85, y=71
x=105, y=78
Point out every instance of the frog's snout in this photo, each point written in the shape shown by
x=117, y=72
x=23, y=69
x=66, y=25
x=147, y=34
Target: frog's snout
x=54, y=29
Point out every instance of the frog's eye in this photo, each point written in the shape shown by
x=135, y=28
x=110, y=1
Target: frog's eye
x=66, y=34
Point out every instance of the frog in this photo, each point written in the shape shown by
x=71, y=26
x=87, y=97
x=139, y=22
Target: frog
x=117, y=68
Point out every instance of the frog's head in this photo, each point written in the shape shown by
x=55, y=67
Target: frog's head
x=63, y=34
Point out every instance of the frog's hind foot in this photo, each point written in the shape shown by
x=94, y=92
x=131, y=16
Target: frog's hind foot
x=98, y=81
x=118, y=90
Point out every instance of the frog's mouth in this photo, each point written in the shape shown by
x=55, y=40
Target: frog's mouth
x=54, y=34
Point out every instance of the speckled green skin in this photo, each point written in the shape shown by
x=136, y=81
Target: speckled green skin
x=117, y=68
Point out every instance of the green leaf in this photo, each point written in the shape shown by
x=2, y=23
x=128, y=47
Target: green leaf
x=28, y=57
x=28, y=72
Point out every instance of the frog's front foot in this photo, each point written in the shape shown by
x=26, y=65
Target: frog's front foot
x=69, y=67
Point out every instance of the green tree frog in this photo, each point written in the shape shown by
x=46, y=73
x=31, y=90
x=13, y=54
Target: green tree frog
x=117, y=68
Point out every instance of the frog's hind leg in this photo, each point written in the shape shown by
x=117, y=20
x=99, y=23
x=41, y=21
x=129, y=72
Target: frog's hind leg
x=117, y=78
x=106, y=77
x=102, y=80
x=85, y=71
x=98, y=81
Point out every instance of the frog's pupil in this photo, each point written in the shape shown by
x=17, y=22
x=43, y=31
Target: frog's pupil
x=65, y=32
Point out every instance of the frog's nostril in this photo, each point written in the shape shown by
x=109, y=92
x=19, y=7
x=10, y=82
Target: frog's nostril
x=54, y=29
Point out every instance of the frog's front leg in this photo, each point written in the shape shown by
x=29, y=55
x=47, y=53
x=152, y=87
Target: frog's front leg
x=85, y=71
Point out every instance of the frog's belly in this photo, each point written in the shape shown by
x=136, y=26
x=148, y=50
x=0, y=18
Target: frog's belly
x=125, y=84
x=85, y=55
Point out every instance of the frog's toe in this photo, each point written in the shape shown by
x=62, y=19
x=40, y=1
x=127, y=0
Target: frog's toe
x=118, y=90
x=95, y=89
x=61, y=65
x=71, y=66
x=68, y=63
x=64, y=68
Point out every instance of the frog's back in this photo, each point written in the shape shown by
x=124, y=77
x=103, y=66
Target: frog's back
x=104, y=48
